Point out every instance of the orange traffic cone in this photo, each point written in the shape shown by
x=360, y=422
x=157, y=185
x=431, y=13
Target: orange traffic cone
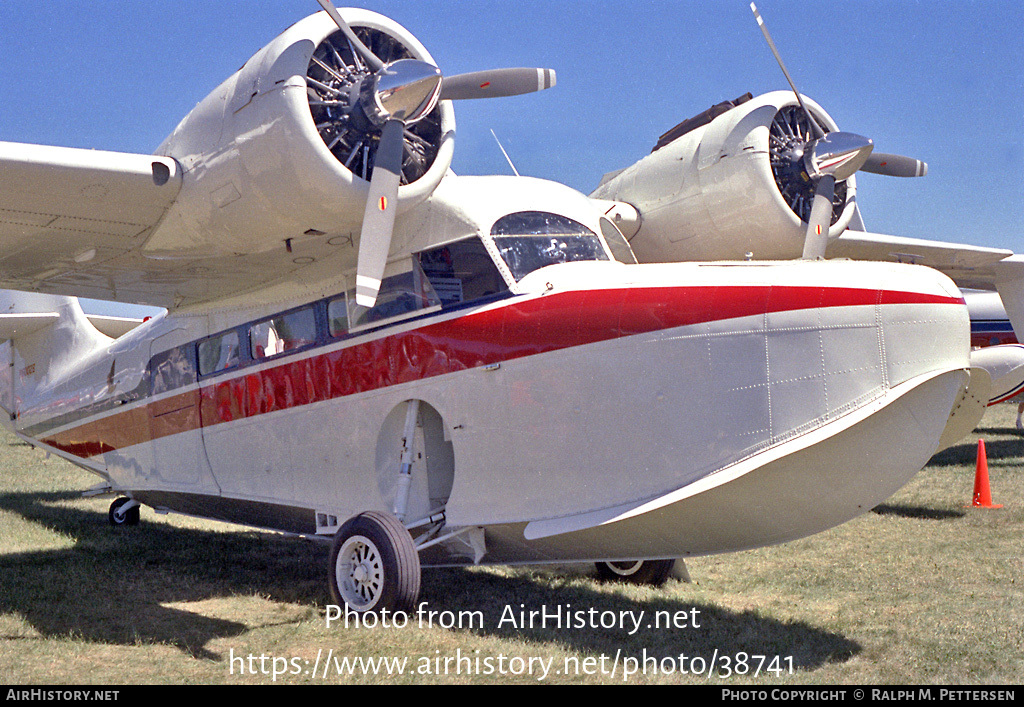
x=982, y=497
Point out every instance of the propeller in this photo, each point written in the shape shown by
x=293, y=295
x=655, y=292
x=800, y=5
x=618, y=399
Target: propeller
x=825, y=158
x=392, y=97
x=895, y=165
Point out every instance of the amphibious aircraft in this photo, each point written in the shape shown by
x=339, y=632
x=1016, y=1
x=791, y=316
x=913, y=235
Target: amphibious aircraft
x=425, y=368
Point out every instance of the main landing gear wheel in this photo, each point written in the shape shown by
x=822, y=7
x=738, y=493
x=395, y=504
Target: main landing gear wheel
x=654, y=572
x=374, y=565
x=118, y=517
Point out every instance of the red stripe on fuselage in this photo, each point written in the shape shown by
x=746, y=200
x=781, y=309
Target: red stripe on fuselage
x=518, y=329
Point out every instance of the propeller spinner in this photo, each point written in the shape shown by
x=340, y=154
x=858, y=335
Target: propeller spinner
x=391, y=98
x=827, y=158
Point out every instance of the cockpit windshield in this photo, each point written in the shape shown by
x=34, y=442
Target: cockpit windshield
x=530, y=240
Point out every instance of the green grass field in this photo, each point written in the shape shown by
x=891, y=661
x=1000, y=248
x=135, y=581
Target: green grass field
x=921, y=590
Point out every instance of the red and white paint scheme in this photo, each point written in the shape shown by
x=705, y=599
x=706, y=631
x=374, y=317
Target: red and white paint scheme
x=520, y=390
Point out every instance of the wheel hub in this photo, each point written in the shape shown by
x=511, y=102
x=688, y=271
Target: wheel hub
x=360, y=577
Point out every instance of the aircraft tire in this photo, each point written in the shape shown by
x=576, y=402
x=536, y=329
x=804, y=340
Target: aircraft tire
x=129, y=517
x=374, y=565
x=653, y=572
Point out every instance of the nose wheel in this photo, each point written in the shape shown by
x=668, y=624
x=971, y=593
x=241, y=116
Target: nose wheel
x=374, y=565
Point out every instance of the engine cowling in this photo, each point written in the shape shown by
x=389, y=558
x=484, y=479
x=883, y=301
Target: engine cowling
x=266, y=158
x=729, y=187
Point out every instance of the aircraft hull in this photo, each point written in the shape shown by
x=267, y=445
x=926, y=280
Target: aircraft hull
x=801, y=488
x=603, y=390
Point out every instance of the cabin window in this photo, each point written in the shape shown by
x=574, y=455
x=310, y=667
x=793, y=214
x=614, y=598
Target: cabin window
x=172, y=369
x=530, y=240
x=337, y=316
x=461, y=272
x=285, y=332
x=400, y=296
x=218, y=353
x=617, y=242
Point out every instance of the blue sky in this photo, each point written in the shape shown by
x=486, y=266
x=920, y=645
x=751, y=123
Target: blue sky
x=941, y=81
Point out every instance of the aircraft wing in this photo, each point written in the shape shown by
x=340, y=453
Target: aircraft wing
x=66, y=214
x=73, y=222
x=104, y=200
x=969, y=266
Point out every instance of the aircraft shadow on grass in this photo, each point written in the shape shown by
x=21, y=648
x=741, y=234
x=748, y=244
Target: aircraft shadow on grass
x=919, y=512
x=997, y=451
x=115, y=584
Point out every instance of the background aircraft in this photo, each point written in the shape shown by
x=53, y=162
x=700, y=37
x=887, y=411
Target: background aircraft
x=997, y=348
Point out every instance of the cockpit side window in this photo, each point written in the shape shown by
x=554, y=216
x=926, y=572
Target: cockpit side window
x=401, y=295
x=530, y=240
x=462, y=272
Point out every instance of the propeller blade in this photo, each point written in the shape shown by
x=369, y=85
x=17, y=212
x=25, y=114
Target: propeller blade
x=895, y=165
x=820, y=219
x=778, y=58
x=495, y=83
x=379, y=216
x=369, y=57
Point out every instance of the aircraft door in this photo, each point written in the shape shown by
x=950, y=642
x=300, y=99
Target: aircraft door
x=179, y=454
x=257, y=426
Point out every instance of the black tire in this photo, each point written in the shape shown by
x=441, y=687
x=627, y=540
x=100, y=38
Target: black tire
x=653, y=572
x=129, y=517
x=374, y=565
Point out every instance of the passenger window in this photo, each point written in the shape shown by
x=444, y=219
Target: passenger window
x=337, y=316
x=285, y=332
x=218, y=353
x=172, y=369
x=462, y=271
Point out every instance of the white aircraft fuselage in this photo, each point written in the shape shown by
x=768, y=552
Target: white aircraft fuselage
x=520, y=389
x=601, y=411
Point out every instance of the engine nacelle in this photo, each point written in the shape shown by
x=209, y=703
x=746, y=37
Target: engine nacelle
x=715, y=192
x=266, y=158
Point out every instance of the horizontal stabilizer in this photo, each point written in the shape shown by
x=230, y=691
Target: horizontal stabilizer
x=114, y=327
x=17, y=325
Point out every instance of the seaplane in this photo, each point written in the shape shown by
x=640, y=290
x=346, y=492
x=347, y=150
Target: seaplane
x=357, y=345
